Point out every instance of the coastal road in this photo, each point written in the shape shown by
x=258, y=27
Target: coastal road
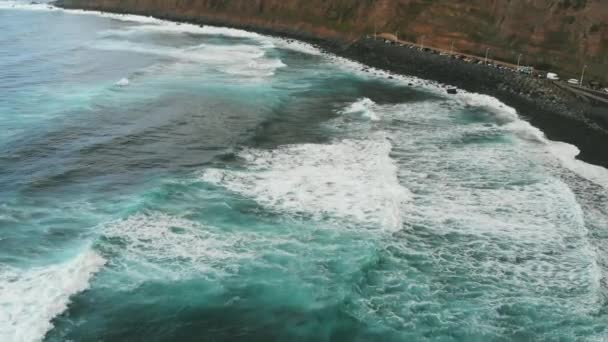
x=588, y=94
x=394, y=38
x=599, y=97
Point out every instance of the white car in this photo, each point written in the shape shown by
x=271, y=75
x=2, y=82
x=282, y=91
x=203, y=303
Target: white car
x=605, y=90
x=573, y=81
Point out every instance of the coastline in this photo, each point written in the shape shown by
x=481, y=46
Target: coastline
x=559, y=114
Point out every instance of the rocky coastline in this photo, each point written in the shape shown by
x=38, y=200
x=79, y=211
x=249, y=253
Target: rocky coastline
x=561, y=115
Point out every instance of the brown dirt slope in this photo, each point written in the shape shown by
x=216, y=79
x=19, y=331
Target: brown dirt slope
x=559, y=35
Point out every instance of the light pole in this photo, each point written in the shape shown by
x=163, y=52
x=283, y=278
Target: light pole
x=452, y=48
x=487, y=52
x=583, y=75
x=422, y=42
x=518, y=60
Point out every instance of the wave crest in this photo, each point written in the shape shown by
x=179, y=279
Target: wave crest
x=30, y=299
x=363, y=107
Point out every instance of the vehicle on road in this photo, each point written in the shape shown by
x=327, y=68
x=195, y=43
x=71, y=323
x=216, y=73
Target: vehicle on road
x=552, y=76
x=525, y=70
x=573, y=81
x=605, y=90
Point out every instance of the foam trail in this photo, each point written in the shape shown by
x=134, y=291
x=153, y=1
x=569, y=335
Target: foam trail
x=163, y=247
x=31, y=299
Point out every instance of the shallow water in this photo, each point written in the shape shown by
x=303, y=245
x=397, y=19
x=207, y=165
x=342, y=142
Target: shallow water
x=170, y=182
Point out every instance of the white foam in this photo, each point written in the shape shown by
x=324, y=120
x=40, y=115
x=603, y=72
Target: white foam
x=177, y=28
x=350, y=179
x=180, y=28
x=294, y=45
x=489, y=103
x=503, y=114
x=164, y=247
x=256, y=68
x=199, y=53
x=21, y=5
x=515, y=221
x=243, y=60
x=363, y=107
x=121, y=17
x=567, y=153
x=123, y=82
x=29, y=299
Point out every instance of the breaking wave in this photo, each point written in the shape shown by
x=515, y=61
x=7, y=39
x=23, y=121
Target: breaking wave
x=363, y=107
x=349, y=179
x=565, y=153
x=30, y=299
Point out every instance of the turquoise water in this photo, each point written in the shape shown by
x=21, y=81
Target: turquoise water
x=165, y=182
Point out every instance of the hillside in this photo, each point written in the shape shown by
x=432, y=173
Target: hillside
x=560, y=35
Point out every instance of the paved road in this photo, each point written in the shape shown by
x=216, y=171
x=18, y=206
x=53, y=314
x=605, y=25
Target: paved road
x=601, y=94
x=601, y=98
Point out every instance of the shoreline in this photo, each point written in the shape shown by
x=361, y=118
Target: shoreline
x=559, y=114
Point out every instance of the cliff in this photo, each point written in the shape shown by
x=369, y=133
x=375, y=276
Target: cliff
x=559, y=35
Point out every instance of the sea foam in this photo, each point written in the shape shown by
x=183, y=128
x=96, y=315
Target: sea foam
x=363, y=107
x=565, y=153
x=157, y=246
x=242, y=59
x=30, y=299
x=123, y=82
x=349, y=179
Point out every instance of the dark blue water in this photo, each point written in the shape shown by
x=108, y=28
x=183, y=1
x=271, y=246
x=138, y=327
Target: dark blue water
x=166, y=182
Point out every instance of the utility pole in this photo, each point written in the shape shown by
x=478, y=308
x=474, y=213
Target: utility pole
x=518, y=60
x=375, y=31
x=583, y=75
x=487, y=52
x=422, y=42
x=452, y=48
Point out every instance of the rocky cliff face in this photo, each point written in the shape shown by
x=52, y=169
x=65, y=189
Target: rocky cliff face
x=560, y=35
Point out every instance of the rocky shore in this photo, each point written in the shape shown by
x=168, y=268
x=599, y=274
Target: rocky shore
x=560, y=114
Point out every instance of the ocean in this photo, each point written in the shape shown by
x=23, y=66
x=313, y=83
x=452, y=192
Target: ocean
x=171, y=182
